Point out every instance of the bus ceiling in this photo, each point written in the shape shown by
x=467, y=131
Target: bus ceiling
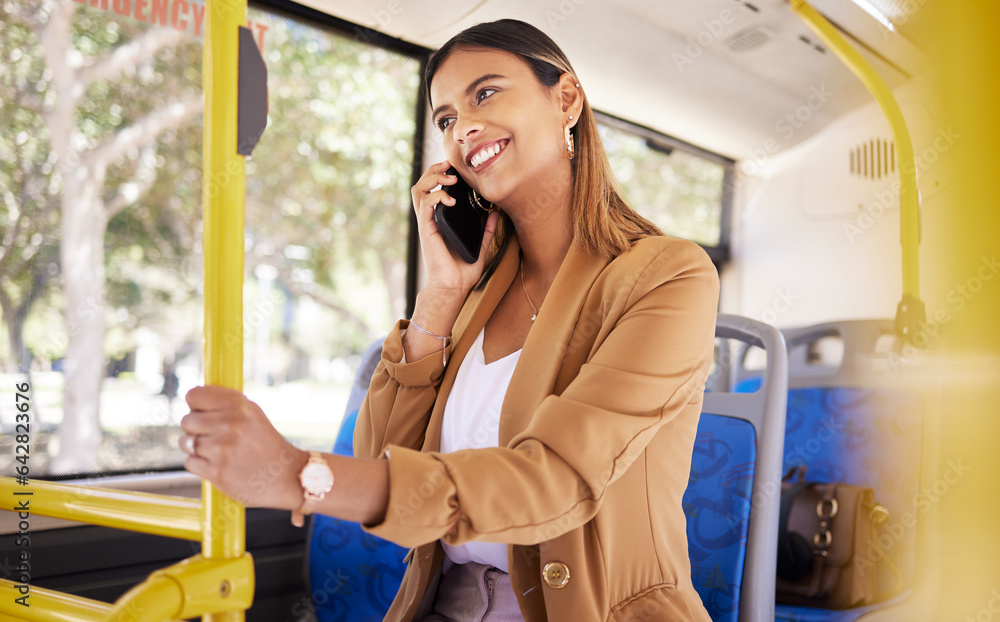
x=722, y=74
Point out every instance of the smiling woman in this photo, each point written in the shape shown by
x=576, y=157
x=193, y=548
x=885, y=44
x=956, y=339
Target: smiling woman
x=519, y=461
x=529, y=438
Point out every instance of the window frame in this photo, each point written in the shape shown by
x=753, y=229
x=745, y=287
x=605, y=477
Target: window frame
x=416, y=52
x=719, y=253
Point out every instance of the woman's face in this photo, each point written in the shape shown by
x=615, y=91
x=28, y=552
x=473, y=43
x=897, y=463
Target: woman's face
x=502, y=129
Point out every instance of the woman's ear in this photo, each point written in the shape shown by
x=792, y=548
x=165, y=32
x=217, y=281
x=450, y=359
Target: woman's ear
x=571, y=97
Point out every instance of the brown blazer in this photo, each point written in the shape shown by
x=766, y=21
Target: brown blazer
x=596, y=435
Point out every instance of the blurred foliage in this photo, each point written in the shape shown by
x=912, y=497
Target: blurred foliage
x=680, y=192
x=327, y=186
x=29, y=222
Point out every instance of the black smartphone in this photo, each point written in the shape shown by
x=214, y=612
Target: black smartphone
x=461, y=224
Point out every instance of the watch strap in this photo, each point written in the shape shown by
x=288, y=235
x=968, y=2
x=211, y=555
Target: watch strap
x=309, y=500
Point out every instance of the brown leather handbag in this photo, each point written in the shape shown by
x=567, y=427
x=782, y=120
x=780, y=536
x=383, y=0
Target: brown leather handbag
x=826, y=534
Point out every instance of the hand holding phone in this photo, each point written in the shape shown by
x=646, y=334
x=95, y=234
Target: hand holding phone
x=462, y=224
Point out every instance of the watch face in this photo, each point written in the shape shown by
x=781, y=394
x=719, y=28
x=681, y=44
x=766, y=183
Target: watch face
x=317, y=479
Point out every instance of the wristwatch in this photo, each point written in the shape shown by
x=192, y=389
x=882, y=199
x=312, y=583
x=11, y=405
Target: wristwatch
x=317, y=480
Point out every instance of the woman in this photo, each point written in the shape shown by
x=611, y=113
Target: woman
x=529, y=430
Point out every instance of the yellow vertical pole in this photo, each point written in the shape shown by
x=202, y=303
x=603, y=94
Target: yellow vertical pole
x=223, y=199
x=909, y=198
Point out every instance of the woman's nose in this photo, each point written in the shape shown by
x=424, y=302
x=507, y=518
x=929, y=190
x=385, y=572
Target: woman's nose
x=467, y=128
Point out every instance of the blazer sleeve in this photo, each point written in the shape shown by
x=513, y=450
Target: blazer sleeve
x=399, y=400
x=651, y=363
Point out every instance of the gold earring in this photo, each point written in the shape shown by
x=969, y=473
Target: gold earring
x=474, y=199
x=570, y=146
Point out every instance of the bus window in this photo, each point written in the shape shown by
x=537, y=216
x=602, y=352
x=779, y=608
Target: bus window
x=681, y=188
x=327, y=220
x=101, y=300
x=108, y=144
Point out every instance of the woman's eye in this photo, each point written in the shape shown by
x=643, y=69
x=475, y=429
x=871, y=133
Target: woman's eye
x=444, y=122
x=483, y=94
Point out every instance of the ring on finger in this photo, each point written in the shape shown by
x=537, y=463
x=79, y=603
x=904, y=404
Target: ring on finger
x=190, y=445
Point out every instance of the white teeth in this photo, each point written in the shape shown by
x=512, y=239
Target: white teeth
x=485, y=155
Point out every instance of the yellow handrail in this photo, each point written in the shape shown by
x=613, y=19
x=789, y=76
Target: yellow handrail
x=174, y=517
x=51, y=606
x=218, y=584
x=193, y=587
x=910, y=312
x=223, y=196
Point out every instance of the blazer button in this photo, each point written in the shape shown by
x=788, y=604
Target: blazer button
x=556, y=574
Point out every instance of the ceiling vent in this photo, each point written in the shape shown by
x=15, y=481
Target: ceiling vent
x=873, y=159
x=748, y=40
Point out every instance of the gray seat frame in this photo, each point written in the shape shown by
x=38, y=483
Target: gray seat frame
x=765, y=411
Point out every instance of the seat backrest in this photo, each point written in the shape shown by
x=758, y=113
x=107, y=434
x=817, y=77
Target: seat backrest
x=859, y=340
x=352, y=574
x=733, y=495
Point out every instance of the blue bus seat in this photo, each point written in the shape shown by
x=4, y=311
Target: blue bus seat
x=850, y=423
x=717, y=505
x=732, y=497
x=353, y=576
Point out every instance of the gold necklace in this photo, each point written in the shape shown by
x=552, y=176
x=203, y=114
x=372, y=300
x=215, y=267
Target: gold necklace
x=535, y=314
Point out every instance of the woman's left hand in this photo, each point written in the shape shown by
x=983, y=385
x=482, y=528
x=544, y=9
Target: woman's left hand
x=236, y=448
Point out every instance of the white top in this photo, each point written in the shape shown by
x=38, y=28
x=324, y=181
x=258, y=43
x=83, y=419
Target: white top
x=472, y=421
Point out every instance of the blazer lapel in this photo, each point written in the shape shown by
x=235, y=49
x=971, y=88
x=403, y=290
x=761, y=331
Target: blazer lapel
x=467, y=327
x=541, y=358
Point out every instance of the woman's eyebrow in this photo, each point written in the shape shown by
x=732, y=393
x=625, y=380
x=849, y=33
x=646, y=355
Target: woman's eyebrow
x=469, y=89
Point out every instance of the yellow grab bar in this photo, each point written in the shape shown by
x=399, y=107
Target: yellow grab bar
x=910, y=312
x=224, y=198
x=218, y=584
x=193, y=587
x=174, y=517
x=50, y=606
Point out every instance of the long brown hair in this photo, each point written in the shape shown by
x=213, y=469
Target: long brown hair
x=602, y=221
